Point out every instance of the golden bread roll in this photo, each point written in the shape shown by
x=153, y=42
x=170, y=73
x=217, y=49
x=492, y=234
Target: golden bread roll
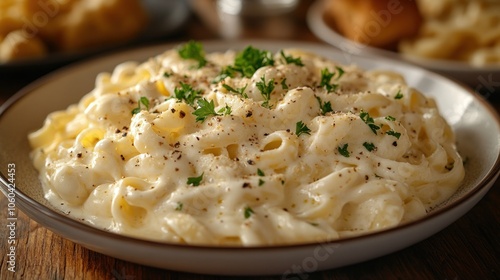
x=379, y=23
x=10, y=15
x=81, y=24
x=67, y=25
x=18, y=46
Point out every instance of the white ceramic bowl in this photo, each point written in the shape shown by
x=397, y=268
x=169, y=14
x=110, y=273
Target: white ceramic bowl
x=480, y=79
x=476, y=125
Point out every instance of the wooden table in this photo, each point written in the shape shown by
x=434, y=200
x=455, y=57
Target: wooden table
x=468, y=249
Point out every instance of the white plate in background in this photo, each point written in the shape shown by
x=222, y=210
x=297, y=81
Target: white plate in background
x=478, y=78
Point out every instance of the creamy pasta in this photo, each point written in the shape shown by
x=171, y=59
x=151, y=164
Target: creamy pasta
x=246, y=148
x=463, y=30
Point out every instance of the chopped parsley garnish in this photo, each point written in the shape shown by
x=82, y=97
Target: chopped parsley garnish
x=369, y=121
x=390, y=118
x=326, y=77
x=187, y=93
x=247, y=212
x=393, y=133
x=195, y=181
x=260, y=172
x=398, y=95
x=228, y=71
x=301, y=128
x=205, y=109
x=179, y=207
x=265, y=90
x=226, y=110
x=369, y=146
x=291, y=60
x=240, y=91
x=144, y=101
x=167, y=74
x=193, y=50
x=325, y=107
x=283, y=84
x=340, y=72
x=251, y=59
x=343, y=150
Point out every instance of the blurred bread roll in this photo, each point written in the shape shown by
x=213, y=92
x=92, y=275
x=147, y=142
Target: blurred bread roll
x=17, y=46
x=379, y=23
x=69, y=25
x=10, y=14
x=81, y=24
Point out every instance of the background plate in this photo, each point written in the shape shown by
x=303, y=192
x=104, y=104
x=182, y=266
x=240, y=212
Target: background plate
x=475, y=77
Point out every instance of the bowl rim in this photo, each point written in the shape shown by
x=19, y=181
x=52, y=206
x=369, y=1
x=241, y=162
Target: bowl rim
x=60, y=217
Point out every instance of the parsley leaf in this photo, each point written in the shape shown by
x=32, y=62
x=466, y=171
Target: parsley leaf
x=326, y=77
x=187, y=93
x=228, y=71
x=265, y=90
x=193, y=50
x=369, y=146
x=343, y=150
x=144, y=101
x=369, y=121
x=247, y=212
x=226, y=110
x=390, y=118
x=301, y=128
x=195, y=181
x=283, y=84
x=179, y=207
x=340, y=72
x=393, y=133
x=205, y=109
x=398, y=95
x=251, y=59
x=291, y=60
x=325, y=107
x=260, y=172
x=240, y=91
